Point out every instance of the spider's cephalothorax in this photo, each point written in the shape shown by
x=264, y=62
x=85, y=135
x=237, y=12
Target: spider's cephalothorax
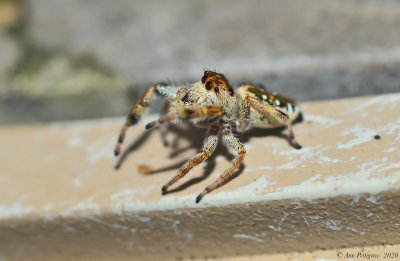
x=214, y=104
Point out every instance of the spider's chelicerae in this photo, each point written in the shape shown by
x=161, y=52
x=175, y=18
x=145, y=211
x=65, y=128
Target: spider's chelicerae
x=212, y=103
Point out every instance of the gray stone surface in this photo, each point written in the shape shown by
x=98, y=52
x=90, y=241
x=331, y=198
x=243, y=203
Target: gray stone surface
x=153, y=40
x=9, y=55
x=79, y=59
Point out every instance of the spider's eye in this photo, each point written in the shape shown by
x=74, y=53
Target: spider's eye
x=203, y=79
x=208, y=85
x=231, y=92
x=216, y=89
x=205, y=72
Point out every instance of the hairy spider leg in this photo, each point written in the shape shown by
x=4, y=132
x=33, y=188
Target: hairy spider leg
x=244, y=116
x=163, y=128
x=160, y=89
x=230, y=141
x=168, y=117
x=266, y=110
x=186, y=113
x=209, y=145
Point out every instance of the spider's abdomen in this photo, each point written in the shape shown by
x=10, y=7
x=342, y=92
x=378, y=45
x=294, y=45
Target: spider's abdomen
x=282, y=103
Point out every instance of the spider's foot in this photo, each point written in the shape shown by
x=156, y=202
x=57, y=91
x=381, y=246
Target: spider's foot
x=117, y=151
x=164, y=189
x=151, y=125
x=200, y=196
x=296, y=145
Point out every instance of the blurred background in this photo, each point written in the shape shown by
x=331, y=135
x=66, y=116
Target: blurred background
x=75, y=59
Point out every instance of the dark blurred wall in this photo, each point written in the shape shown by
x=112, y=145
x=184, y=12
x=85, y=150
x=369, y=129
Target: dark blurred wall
x=108, y=51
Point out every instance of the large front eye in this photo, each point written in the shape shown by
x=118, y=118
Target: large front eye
x=208, y=85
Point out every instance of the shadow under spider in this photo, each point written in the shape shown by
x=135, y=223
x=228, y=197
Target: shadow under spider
x=195, y=136
x=133, y=146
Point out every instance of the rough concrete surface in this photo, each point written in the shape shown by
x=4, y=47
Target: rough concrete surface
x=61, y=199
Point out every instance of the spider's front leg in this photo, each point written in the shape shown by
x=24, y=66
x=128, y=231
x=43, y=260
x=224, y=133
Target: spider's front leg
x=185, y=112
x=230, y=141
x=210, y=143
x=141, y=107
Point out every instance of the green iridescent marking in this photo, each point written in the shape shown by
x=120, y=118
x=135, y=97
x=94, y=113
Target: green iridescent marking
x=271, y=98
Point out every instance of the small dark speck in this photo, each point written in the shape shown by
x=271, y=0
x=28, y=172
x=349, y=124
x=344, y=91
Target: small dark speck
x=377, y=137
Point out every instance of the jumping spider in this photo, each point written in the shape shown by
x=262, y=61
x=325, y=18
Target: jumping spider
x=212, y=103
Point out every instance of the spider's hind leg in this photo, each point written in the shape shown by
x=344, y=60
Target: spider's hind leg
x=269, y=111
x=163, y=127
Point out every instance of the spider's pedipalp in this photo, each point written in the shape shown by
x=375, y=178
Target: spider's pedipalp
x=163, y=128
x=188, y=113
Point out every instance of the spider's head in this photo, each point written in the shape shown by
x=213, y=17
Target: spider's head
x=217, y=83
x=216, y=88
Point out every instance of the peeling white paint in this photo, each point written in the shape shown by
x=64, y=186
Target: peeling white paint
x=297, y=203
x=111, y=225
x=141, y=218
x=16, y=209
x=380, y=100
x=187, y=234
x=355, y=200
x=75, y=142
x=362, y=134
x=258, y=168
x=77, y=182
x=324, y=121
x=84, y=208
x=302, y=158
x=129, y=194
x=373, y=199
x=289, y=165
x=390, y=149
x=366, y=180
x=3, y=179
x=355, y=230
x=333, y=225
x=100, y=149
x=48, y=216
x=249, y=237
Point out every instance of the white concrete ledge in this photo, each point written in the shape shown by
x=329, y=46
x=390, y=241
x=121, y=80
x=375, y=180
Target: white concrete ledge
x=60, y=197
